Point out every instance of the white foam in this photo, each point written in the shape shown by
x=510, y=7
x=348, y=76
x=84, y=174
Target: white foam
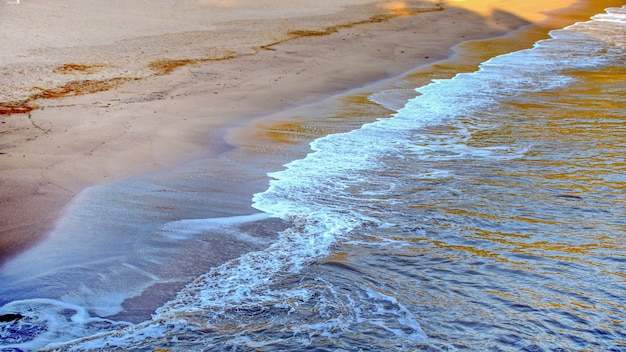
x=616, y=15
x=609, y=27
x=403, y=315
x=104, y=304
x=46, y=321
x=183, y=229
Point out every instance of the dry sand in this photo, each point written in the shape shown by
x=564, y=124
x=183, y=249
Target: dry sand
x=94, y=91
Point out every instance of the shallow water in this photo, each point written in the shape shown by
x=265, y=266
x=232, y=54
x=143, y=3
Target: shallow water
x=488, y=213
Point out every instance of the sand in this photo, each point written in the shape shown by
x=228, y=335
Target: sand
x=96, y=91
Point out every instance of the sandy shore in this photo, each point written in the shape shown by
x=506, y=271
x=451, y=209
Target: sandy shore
x=93, y=91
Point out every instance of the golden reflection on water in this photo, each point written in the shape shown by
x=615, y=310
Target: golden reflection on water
x=289, y=132
x=469, y=249
x=470, y=54
x=533, y=244
x=568, y=252
x=306, y=124
x=354, y=110
x=577, y=134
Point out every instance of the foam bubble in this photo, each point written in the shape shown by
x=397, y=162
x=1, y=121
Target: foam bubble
x=46, y=321
x=183, y=229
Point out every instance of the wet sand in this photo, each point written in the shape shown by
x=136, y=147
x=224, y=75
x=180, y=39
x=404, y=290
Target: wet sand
x=101, y=92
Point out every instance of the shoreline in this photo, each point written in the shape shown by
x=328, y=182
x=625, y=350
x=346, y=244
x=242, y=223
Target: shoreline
x=162, y=120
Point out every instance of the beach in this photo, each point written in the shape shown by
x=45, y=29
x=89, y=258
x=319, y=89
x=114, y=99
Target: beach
x=339, y=173
x=105, y=92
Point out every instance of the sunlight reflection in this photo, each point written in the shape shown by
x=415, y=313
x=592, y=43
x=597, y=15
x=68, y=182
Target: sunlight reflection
x=399, y=8
x=530, y=10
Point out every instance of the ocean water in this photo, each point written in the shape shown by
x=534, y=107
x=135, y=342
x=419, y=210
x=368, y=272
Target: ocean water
x=488, y=213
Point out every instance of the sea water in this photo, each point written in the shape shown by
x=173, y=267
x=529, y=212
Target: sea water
x=487, y=214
